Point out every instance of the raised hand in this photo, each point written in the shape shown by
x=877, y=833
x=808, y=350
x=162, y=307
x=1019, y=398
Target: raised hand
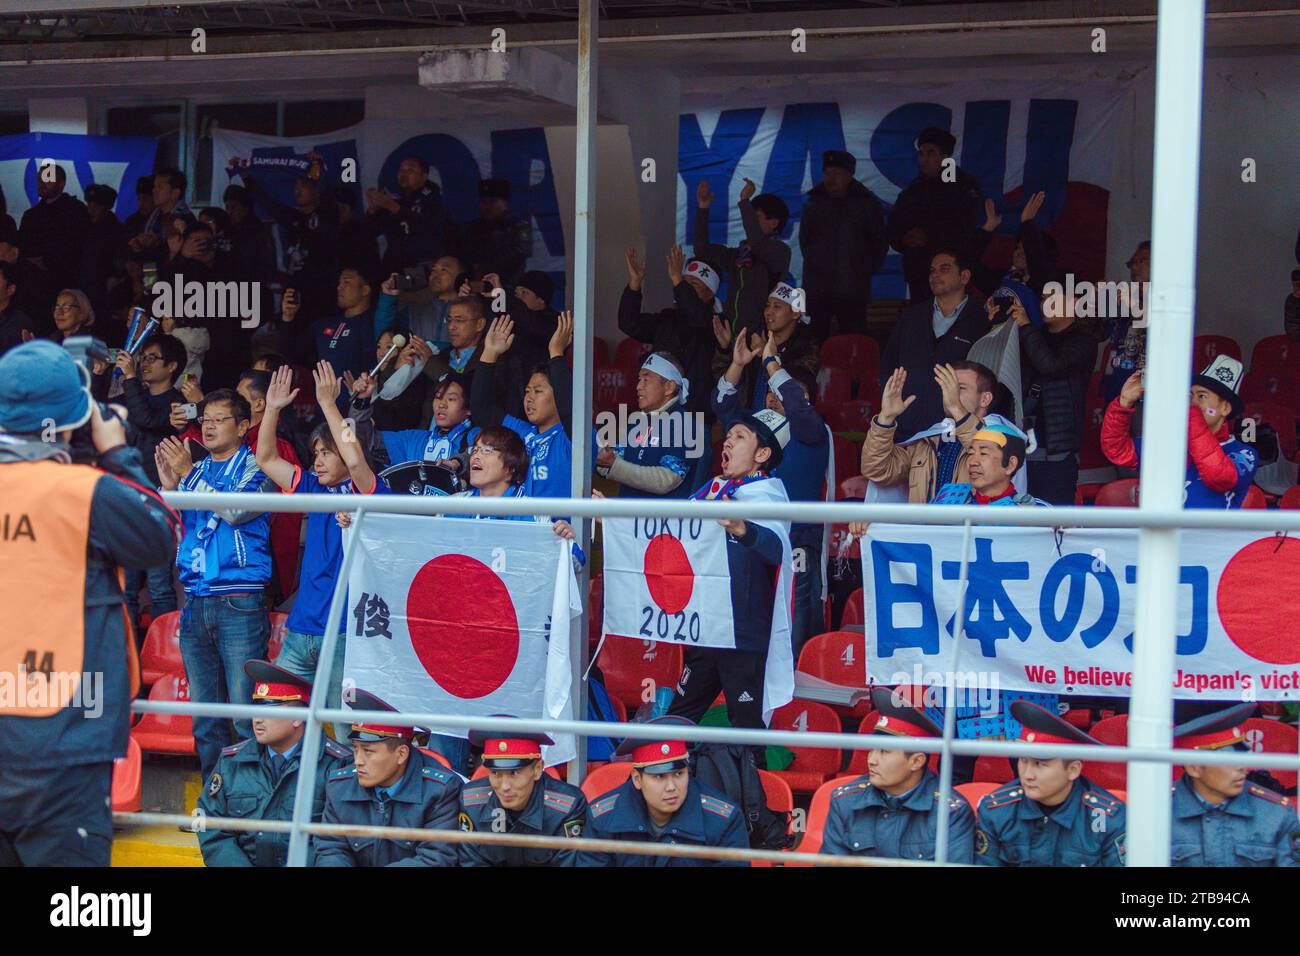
x=280, y=393
x=362, y=387
x=945, y=376
x=289, y=305
x=125, y=362
x=390, y=285
x=748, y=189
x=721, y=332
x=635, y=270
x=327, y=383
x=747, y=348
x=703, y=195
x=1132, y=390
x=1031, y=208
x=500, y=336
x=770, y=348
x=562, y=338
x=991, y=218
x=676, y=264
x=892, y=402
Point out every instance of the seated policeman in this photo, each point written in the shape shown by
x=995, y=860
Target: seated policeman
x=660, y=803
x=518, y=796
x=1219, y=819
x=392, y=784
x=1052, y=815
x=257, y=777
x=893, y=811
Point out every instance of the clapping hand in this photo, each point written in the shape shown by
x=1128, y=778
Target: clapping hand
x=892, y=402
x=635, y=270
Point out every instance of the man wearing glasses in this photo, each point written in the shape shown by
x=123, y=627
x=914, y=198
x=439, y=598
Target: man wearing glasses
x=224, y=563
x=148, y=391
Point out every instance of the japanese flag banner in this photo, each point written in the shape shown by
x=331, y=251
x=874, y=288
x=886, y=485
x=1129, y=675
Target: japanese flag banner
x=1051, y=611
x=460, y=617
x=667, y=579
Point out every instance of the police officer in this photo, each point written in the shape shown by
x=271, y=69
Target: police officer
x=893, y=811
x=1221, y=819
x=518, y=796
x=66, y=649
x=1052, y=815
x=257, y=777
x=393, y=784
x=660, y=803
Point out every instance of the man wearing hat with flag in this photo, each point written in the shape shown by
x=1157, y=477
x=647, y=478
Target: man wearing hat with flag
x=1219, y=817
x=660, y=803
x=842, y=238
x=497, y=242
x=392, y=784
x=757, y=675
x=1220, y=468
x=893, y=810
x=1052, y=815
x=518, y=796
x=257, y=778
x=941, y=208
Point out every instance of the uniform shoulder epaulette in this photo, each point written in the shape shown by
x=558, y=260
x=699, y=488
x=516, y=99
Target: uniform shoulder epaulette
x=343, y=773
x=1266, y=794
x=1004, y=795
x=436, y=773
x=721, y=807
x=476, y=793
x=336, y=749
x=235, y=748
x=604, y=805
x=559, y=801
x=1107, y=803
x=955, y=803
x=856, y=786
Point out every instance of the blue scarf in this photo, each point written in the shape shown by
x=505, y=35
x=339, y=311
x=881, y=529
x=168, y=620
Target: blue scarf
x=443, y=446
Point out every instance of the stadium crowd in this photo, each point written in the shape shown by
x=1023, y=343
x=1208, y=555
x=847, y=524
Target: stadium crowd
x=401, y=352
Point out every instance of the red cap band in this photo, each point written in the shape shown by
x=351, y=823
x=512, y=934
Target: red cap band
x=661, y=751
x=1211, y=741
x=511, y=748
x=1042, y=737
x=386, y=731
x=266, y=691
x=900, y=728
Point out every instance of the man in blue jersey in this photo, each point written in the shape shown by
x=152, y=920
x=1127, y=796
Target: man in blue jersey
x=451, y=433
x=1220, y=468
x=548, y=404
x=338, y=467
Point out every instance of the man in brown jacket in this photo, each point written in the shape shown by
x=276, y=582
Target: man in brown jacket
x=928, y=460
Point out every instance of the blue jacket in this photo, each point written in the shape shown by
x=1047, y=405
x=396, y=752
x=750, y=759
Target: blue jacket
x=1086, y=830
x=555, y=808
x=225, y=551
x=244, y=785
x=861, y=822
x=961, y=493
x=705, y=819
x=1255, y=828
x=428, y=798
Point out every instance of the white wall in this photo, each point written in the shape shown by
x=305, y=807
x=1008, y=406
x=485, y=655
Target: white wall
x=58, y=115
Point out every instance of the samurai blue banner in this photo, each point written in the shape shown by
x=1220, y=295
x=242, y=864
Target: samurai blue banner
x=116, y=161
x=1015, y=137
x=1053, y=611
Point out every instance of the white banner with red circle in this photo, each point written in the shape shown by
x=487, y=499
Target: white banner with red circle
x=456, y=616
x=1053, y=611
x=667, y=579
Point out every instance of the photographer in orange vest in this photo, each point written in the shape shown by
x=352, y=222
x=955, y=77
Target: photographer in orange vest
x=68, y=669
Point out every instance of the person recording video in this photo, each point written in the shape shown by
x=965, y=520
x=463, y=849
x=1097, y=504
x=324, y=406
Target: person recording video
x=67, y=533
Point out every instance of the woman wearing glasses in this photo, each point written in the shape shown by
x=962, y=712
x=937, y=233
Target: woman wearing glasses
x=73, y=315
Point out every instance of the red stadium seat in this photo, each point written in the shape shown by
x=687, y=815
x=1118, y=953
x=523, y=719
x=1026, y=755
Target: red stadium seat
x=857, y=354
x=853, y=609
x=838, y=657
x=166, y=733
x=1283, y=421
x=161, y=652
x=851, y=415
x=430, y=752
x=858, y=758
x=482, y=772
x=1112, y=731
x=620, y=709
x=811, y=765
x=990, y=769
x=975, y=791
x=626, y=662
x=1272, y=385
x=1120, y=795
x=848, y=458
x=1272, y=736
x=1291, y=499
x=778, y=797
x=853, y=488
x=1254, y=498
x=834, y=388
x=1119, y=494
x=629, y=354
x=612, y=386
x=818, y=810
x=276, y=642
x=1206, y=347
x=605, y=778
x=599, y=351
x=126, y=779
x=1274, y=353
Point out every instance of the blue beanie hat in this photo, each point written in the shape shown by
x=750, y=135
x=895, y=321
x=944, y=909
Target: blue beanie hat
x=1026, y=296
x=42, y=385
